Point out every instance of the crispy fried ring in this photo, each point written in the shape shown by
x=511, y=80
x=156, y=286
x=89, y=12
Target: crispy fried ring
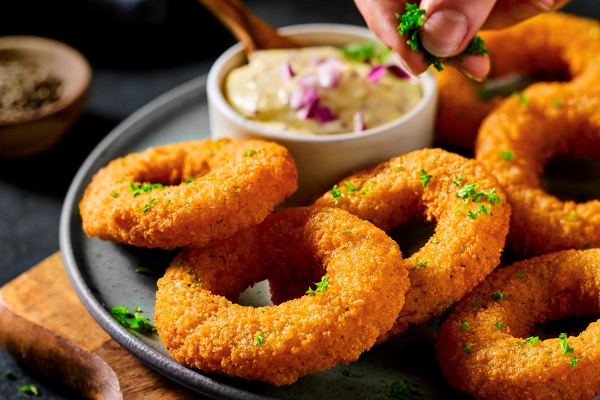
x=481, y=346
x=532, y=134
x=463, y=250
x=212, y=189
x=555, y=41
x=201, y=326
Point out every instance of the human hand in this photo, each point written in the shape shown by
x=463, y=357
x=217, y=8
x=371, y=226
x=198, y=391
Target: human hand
x=449, y=27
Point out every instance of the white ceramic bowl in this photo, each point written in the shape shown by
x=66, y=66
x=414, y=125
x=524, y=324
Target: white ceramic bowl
x=324, y=159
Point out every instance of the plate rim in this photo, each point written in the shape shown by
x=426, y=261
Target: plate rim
x=166, y=366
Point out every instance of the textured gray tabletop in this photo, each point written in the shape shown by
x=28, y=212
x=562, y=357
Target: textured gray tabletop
x=32, y=191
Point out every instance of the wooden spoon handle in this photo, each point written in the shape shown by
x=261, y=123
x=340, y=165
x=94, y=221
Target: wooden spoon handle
x=247, y=27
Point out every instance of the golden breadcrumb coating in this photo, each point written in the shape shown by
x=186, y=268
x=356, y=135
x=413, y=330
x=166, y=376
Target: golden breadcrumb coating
x=548, y=42
x=481, y=346
x=467, y=243
x=211, y=190
x=202, y=327
x=533, y=133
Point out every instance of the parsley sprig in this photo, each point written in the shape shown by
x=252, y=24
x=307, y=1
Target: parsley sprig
x=321, y=286
x=412, y=19
x=136, y=321
x=366, y=52
x=30, y=389
x=137, y=189
x=564, y=344
x=403, y=389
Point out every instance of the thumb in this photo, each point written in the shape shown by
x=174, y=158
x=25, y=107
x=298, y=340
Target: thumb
x=451, y=24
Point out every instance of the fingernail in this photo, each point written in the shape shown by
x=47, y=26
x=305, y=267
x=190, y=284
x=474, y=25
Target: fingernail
x=545, y=5
x=444, y=32
x=405, y=67
x=471, y=77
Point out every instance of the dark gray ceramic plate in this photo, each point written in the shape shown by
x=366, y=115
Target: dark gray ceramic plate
x=103, y=275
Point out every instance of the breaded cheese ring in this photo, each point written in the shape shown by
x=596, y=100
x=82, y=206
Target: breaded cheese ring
x=531, y=134
x=441, y=187
x=201, y=326
x=211, y=190
x=481, y=346
x=549, y=42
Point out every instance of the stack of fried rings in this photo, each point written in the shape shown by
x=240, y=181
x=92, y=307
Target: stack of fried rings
x=188, y=193
x=439, y=187
x=549, y=42
x=517, y=140
x=481, y=346
x=202, y=327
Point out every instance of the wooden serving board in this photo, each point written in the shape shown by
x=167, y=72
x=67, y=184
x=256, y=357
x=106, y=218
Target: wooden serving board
x=43, y=324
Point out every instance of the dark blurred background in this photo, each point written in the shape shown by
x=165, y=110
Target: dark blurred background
x=138, y=49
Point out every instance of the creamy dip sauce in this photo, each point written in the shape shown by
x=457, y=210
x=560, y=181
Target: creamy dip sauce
x=316, y=90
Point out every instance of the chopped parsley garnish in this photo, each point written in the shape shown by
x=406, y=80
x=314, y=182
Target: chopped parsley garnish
x=409, y=25
x=483, y=208
x=497, y=296
x=467, y=349
x=10, y=375
x=208, y=152
x=142, y=270
x=189, y=181
x=135, y=321
x=507, y=155
x=572, y=216
x=573, y=361
x=364, y=191
x=533, y=340
x=365, y=52
x=520, y=274
x=586, y=246
x=471, y=191
x=249, y=153
x=412, y=19
x=326, y=210
x=425, y=177
x=475, y=303
x=191, y=272
x=523, y=98
x=500, y=325
x=259, y=339
x=145, y=208
x=348, y=231
x=471, y=214
x=458, y=180
x=434, y=239
x=321, y=286
x=421, y=263
x=564, y=344
x=464, y=325
x=178, y=263
x=557, y=102
x=218, y=144
x=398, y=167
x=350, y=186
x=336, y=193
x=348, y=372
x=137, y=189
x=114, y=194
x=403, y=389
x=30, y=389
x=476, y=47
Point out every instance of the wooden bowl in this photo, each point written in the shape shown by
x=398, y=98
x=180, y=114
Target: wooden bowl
x=38, y=130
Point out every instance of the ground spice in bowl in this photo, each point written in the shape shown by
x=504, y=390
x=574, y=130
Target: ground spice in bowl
x=26, y=86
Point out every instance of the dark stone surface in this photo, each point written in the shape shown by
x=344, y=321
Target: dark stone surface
x=172, y=45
